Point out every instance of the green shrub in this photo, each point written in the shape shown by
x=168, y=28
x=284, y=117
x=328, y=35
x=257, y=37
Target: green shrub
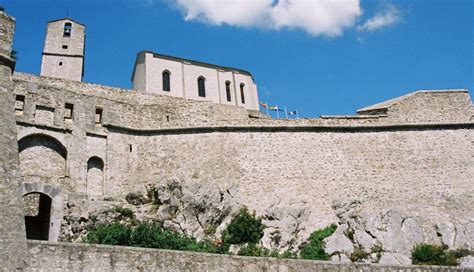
x=146, y=235
x=255, y=251
x=431, y=255
x=143, y=235
x=314, y=249
x=114, y=234
x=150, y=236
x=244, y=228
x=289, y=255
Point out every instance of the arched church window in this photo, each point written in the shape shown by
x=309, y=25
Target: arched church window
x=202, y=86
x=227, y=90
x=242, y=95
x=166, y=81
x=67, y=29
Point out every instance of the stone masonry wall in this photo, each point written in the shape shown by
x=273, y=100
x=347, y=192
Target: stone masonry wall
x=408, y=180
x=12, y=228
x=293, y=179
x=83, y=257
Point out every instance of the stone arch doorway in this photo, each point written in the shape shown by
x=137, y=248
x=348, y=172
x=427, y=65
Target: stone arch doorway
x=43, y=210
x=37, y=215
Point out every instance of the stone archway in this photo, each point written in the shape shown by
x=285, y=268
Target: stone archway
x=42, y=155
x=37, y=215
x=43, y=210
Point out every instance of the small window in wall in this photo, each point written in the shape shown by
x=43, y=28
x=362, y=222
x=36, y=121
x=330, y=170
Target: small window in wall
x=242, y=95
x=19, y=104
x=202, y=87
x=227, y=90
x=98, y=116
x=166, y=81
x=60, y=63
x=67, y=30
x=68, y=112
x=65, y=46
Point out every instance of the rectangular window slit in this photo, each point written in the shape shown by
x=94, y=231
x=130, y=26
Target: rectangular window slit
x=19, y=103
x=64, y=46
x=130, y=147
x=98, y=116
x=68, y=111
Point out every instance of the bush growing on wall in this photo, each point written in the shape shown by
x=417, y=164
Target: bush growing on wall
x=314, y=249
x=253, y=250
x=114, y=234
x=147, y=235
x=426, y=254
x=244, y=228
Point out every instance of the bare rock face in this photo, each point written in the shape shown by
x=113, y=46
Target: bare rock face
x=196, y=208
x=394, y=259
x=389, y=236
x=285, y=225
x=339, y=243
x=467, y=262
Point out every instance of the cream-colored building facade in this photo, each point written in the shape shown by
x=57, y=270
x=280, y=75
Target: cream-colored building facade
x=178, y=77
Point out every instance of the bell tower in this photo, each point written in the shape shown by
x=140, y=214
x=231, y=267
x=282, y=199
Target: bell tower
x=63, y=53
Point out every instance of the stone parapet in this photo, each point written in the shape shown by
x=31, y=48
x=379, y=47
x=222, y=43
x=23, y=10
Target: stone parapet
x=47, y=256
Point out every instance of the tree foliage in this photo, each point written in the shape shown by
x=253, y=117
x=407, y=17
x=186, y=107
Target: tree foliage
x=315, y=248
x=244, y=228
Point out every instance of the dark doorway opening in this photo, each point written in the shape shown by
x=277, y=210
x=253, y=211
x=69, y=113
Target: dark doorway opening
x=37, y=215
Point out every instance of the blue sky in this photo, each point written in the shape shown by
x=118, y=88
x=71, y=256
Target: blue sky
x=314, y=57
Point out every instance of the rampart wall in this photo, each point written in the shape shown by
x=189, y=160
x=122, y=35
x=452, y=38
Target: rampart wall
x=300, y=175
x=80, y=257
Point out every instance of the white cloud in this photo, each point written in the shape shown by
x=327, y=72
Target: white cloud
x=317, y=17
x=388, y=17
x=231, y=12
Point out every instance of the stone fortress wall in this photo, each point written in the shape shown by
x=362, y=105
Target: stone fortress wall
x=420, y=164
x=398, y=173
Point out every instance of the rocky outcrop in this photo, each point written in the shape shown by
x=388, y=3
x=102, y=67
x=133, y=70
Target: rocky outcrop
x=195, y=208
x=388, y=237
x=203, y=209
